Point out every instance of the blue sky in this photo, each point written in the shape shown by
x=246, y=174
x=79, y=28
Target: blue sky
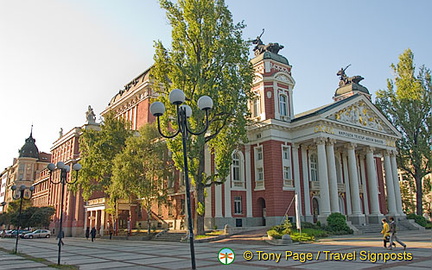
x=59, y=56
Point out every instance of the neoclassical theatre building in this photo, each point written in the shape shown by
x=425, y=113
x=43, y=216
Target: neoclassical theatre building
x=339, y=157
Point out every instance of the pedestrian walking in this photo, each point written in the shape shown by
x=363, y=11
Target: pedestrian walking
x=93, y=233
x=393, y=236
x=87, y=233
x=385, y=232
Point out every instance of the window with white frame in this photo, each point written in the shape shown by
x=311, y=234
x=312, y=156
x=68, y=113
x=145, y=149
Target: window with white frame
x=256, y=106
x=259, y=153
x=259, y=178
x=259, y=168
x=238, y=205
x=283, y=105
x=313, y=167
x=286, y=166
x=237, y=170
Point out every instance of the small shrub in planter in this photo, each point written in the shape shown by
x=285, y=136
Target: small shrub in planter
x=274, y=233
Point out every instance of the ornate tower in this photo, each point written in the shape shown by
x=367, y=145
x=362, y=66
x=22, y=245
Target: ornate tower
x=273, y=84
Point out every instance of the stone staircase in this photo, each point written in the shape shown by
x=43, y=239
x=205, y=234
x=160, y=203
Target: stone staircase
x=402, y=225
x=170, y=236
x=369, y=228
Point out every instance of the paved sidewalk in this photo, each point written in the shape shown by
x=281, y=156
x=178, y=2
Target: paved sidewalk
x=345, y=252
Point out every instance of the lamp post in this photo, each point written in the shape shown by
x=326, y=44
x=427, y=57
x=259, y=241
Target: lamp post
x=205, y=103
x=20, y=195
x=64, y=170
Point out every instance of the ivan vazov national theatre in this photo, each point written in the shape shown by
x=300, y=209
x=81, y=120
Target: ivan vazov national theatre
x=340, y=157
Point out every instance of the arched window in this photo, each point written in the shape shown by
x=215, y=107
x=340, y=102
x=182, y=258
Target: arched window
x=313, y=167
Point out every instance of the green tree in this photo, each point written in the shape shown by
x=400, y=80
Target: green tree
x=41, y=217
x=98, y=148
x=207, y=57
x=141, y=169
x=32, y=216
x=407, y=104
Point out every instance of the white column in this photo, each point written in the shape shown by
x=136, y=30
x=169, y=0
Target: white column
x=323, y=179
x=373, y=181
x=227, y=187
x=333, y=186
x=295, y=160
x=305, y=168
x=396, y=184
x=354, y=182
x=391, y=197
x=347, y=184
x=218, y=201
x=364, y=185
x=85, y=219
x=248, y=179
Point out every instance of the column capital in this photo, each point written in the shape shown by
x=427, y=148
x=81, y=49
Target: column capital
x=370, y=149
x=295, y=145
x=320, y=140
x=351, y=146
x=386, y=152
x=331, y=141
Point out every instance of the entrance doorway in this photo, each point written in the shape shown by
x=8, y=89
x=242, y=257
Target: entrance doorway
x=262, y=205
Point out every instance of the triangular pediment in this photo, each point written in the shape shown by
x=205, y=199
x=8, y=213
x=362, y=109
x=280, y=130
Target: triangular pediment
x=364, y=115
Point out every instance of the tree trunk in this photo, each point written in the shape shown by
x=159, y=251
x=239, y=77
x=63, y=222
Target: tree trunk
x=200, y=198
x=148, y=222
x=419, y=195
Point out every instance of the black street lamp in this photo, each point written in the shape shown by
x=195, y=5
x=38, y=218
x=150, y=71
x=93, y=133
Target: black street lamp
x=205, y=103
x=21, y=194
x=64, y=169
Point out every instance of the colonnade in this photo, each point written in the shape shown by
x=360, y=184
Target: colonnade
x=358, y=163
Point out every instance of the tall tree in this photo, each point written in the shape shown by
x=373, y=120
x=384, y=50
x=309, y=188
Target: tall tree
x=141, y=170
x=207, y=57
x=407, y=104
x=98, y=150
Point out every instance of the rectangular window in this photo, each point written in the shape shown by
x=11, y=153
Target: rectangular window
x=259, y=153
x=260, y=176
x=256, y=107
x=287, y=173
x=238, y=205
x=283, y=105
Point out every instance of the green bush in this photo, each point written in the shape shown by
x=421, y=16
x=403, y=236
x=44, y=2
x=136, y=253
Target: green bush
x=418, y=219
x=308, y=225
x=336, y=222
x=315, y=232
x=303, y=237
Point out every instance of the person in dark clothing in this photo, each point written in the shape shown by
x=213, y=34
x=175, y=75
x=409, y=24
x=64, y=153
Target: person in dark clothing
x=87, y=233
x=93, y=233
x=393, y=236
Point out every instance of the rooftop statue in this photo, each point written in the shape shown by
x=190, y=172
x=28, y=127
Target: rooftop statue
x=345, y=80
x=90, y=115
x=260, y=47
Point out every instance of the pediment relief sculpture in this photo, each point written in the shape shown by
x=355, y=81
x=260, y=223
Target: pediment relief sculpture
x=360, y=114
